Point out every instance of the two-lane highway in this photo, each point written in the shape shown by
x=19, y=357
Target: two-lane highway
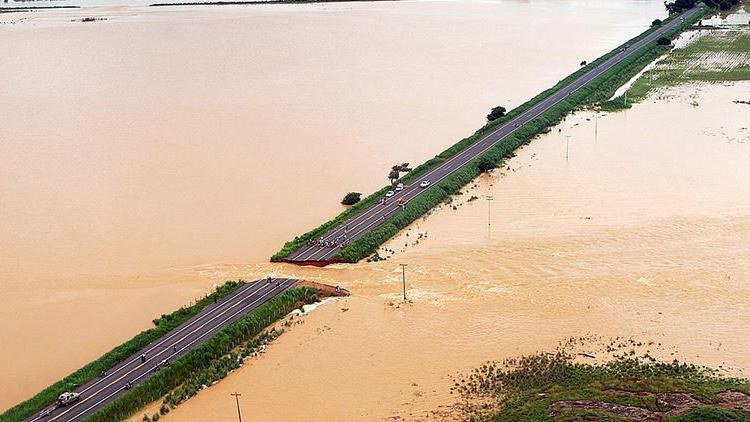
x=378, y=214
x=184, y=338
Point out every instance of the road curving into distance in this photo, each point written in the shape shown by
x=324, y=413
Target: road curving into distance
x=377, y=214
x=101, y=391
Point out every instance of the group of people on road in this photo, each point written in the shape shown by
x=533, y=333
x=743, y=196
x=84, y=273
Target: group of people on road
x=342, y=241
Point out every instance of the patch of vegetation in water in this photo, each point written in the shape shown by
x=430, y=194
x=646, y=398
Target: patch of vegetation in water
x=554, y=386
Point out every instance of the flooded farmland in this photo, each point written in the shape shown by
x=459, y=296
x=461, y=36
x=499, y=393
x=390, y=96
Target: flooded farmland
x=133, y=177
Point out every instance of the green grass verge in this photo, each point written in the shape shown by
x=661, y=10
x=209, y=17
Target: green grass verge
x=163, y=325
x=712, y=414
x=217, y=347
x=532, y=388
x=606, y=85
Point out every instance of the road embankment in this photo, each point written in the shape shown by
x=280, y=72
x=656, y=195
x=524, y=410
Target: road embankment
x=162, y=326
x=195, y=338
x=221, y=351
x=592, y=93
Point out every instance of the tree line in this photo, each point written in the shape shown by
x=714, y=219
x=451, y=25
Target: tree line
x=678, y=6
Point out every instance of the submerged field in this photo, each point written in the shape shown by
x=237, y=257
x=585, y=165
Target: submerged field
x=720, y=54
x=561, y=386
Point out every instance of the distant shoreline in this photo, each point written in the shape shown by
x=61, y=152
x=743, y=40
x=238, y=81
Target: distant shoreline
x=33, y=8
x=256, y=2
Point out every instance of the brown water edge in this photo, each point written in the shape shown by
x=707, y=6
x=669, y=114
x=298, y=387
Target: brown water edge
x=136, y=152
x=643, y=232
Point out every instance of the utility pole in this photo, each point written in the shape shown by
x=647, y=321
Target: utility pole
x=237, y=398
x=596, y=123
x=403, y=278
x=567, y=146
x=626, y=99
x=489, y=211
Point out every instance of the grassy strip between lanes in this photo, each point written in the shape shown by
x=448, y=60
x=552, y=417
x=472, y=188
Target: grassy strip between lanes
x=163, y=325
x=552, y=386
x=596, y=91
x=206, y=355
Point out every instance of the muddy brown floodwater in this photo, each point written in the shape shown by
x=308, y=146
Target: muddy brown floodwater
x=644, y=231
x=146, y=157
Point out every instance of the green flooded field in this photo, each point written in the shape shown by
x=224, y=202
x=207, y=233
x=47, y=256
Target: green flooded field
x=710, y=56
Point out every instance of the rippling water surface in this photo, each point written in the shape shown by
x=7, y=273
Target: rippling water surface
x=145, y=157
x=643, y=233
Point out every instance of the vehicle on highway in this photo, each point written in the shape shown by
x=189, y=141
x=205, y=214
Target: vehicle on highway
x=402, y=202
x=164, y=363
x=424, y=184
x=67, y=398
x=46, y=412
x=399, y=187
x=389, y=194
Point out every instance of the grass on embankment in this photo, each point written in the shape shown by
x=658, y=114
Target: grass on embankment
x=594, y=92
x=163, y=325
x=597, y=91
x=551, y=387
x=211, y=360
x=712, y=56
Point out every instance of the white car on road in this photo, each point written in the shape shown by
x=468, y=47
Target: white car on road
x=424, y=184
x=399, y=187
x=67, y=398
x=389, y=194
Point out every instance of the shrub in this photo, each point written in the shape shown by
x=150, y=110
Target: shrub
x=486, y=164
x=351, y=198
x=664, y=41
x=496, y=113
x=678, y=6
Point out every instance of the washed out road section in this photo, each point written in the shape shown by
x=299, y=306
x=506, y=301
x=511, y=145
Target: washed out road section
x=379, y=213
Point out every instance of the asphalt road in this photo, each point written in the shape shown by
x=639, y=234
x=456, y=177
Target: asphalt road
x=187, y=336
x=378, y=214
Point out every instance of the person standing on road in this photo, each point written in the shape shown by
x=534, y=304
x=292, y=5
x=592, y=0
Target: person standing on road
x=143, y=358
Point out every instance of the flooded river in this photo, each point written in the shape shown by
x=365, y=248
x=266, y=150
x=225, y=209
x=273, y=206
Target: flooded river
x=146, y=157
